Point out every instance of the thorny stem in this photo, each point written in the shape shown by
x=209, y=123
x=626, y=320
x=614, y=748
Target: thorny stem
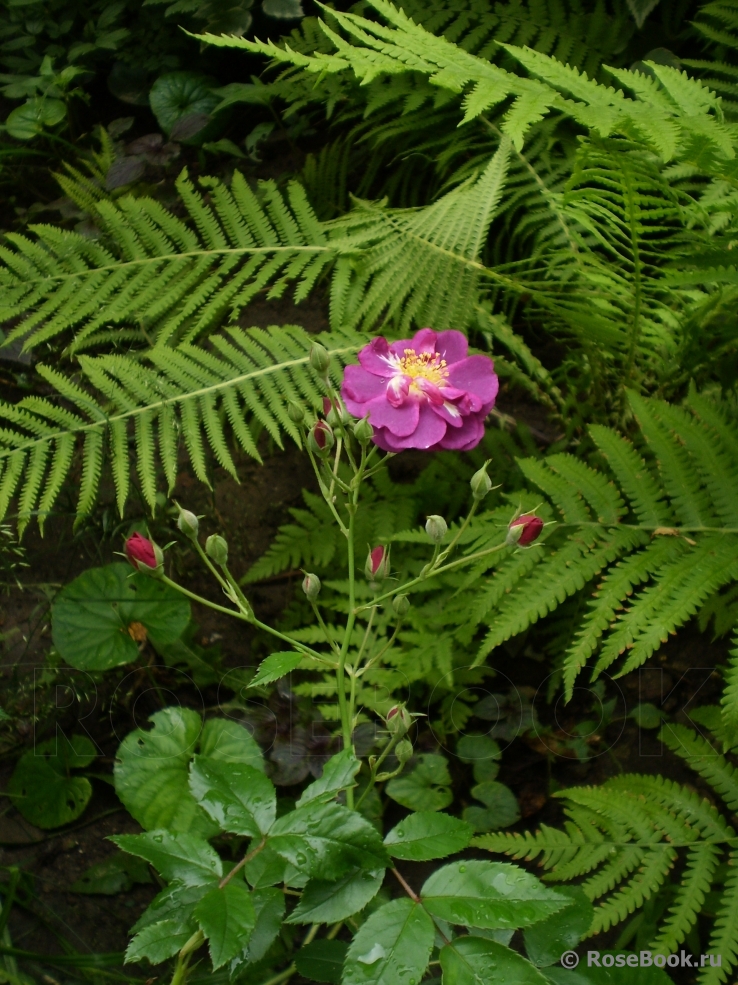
x=340, y=673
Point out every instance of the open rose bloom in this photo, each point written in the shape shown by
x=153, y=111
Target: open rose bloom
x=425, y=392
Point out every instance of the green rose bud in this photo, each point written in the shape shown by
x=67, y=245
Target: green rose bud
x=401, y=605
x=398, y=720
x=321, y=439
x=436, y=528
x=188, y=524
x=403, y=751
x=216, y=548
x=320, y=359
x=311, y=586
x=295, y=412
x=363, y=431
x=480, y=483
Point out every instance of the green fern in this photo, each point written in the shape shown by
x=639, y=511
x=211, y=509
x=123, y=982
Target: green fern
x=154, y=278
x=660, y=112
x=188, y=395
x=658, y=539
x=624, y=839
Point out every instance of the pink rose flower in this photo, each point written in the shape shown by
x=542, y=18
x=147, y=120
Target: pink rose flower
x=424, y=392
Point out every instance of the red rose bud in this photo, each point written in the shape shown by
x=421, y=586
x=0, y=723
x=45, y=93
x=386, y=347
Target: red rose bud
x=327, y=406
x=398, y=720
x=377, y=565
x=524, y=530
x=320, y=439
x=144, y=555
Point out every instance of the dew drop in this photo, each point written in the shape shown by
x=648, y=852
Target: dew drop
x=462, y=868
x=158, y=839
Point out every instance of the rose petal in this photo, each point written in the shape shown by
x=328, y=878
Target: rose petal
x=359, y=386
x=452, y=346
x=475, y=374
x=376, y=358
x=464, y=438
x=399, y=421
x=424, y=340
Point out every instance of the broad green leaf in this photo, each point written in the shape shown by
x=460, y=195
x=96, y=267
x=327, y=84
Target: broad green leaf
x=94, y=616
x=239, y=798
x=158, y=941
x=184, y=857
x=152, y=767
x=34, y=116
x=327, y=840
x=489, y=894
x=226, y=916
x=546, y=941
x=276, y=666
x=500, y=807
x=42, y=787
x=328, y=902
x=338, y=774
x=426, y=788
x=322, y=960
x=265, y=869
x=478, y=750
x=427, y=835
x=392, y=947
x=116, y=874
x=478, y=961
x=176, y=96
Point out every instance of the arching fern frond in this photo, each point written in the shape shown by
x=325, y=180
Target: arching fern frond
x=201, y=398
x=659, y=538
x=623, y=840
x=659, y=114
x=156, y=278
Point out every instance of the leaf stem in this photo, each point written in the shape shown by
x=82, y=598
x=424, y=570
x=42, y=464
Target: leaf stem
x=237, y=868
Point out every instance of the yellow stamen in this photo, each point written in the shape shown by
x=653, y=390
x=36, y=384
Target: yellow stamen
x=429, y=365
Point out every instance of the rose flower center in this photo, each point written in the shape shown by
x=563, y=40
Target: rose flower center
x=427, y=365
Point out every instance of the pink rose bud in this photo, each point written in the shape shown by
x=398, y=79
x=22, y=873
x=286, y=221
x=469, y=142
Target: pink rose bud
x=320, y=439
x=377, y=565
x=524, y=530
x=144, y=555
x=398, y=720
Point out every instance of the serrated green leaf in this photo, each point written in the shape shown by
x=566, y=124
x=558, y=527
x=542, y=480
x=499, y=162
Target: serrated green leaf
x=239, y=798
x=427, y=835
x=479, y=961
x=227, y=917
x=184, y=858
x=426, y=787
x=391, y=947
x=326, y=901
x=275, y=666
x=338, y=774
x=322, y=960
x=546, y=941
x=494, y=895
x=158, y=941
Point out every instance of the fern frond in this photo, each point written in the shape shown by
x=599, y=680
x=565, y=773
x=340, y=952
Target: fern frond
x=200, y=397
x=187, y=280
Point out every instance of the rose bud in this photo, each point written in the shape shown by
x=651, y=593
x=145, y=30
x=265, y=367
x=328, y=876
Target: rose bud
x=403, y=751
x=311, y=586
x=398, y=720
x=401, y=605
x=363, y=431
x=436, y=528
x=188, y=524
x=216, y=547
x=523, y=530
x=320, y=359
x=320, y=439
x=295, y=412
x=480, y=483
x=377, y=566
x=144, y=555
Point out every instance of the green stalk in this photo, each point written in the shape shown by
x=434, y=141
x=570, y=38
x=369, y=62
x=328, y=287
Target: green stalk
x=341, y=671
